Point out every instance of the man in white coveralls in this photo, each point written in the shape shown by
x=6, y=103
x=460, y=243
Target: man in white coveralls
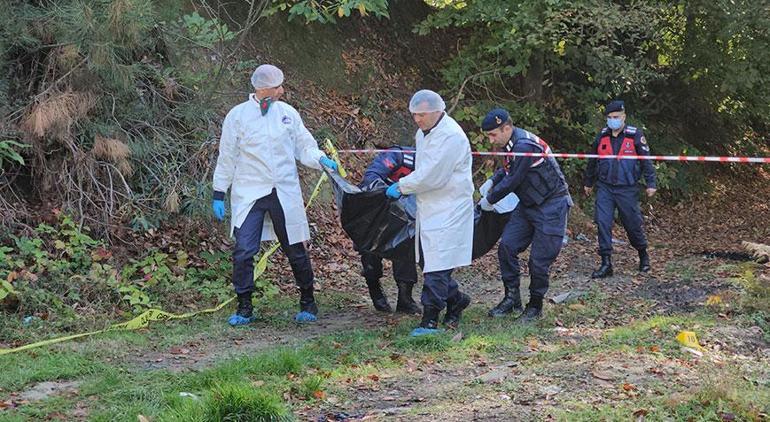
x=444, y=188
x=262, y=139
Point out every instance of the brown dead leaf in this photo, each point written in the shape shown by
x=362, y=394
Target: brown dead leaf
x=13, y=275
x=533, y=344
x=576, y=306
x=320, y=395
x=628, y=387
x=374, y=377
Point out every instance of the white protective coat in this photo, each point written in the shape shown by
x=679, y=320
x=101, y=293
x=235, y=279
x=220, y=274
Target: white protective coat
x=258, y=153
x=444, y=186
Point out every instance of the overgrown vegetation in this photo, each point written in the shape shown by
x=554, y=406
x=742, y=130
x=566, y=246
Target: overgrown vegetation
x=112, y=103
x=63, y=280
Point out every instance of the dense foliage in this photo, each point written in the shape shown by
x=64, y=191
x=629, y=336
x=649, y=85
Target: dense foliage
x=111, y=108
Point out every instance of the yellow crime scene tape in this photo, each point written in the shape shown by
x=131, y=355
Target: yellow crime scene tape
x=144, y=319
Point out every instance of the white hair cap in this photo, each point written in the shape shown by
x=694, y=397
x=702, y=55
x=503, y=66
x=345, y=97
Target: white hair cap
x=266, y=76
x=426, y=101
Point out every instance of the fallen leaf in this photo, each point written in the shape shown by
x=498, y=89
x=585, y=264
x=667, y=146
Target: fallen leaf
x=142, y=418
x=374, y=377
x=640, y=414
x=533, y=344
x=629, y=387
x=319, y=394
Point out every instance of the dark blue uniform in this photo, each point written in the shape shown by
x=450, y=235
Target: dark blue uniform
x=617, y=185
x=389, y=167
x=540, y=219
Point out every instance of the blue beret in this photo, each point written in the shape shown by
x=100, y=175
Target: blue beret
x=616, y=105
x=494, y=119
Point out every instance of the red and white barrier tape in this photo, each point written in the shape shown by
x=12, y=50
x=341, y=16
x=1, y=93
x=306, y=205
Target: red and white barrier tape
x=765, y=160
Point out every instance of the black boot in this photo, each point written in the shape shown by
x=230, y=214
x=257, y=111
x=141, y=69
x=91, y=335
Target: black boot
x=245, y=307
x=308, y=310
x=455, y=308
x=379, y=300
x=511, y=302
x=605, y=270
x=245, y=312
x=405, y=304
x=532, y=312
x=644, y=261
x=429, y=323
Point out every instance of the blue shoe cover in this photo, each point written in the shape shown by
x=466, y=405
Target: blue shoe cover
x=305, y=316
x=236, y=320
x=420, y=331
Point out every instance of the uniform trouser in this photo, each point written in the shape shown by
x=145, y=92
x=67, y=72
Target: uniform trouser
x=543, y=226
x=248, y=239
x=626, y=200
x=437, y=288
x=404, y=268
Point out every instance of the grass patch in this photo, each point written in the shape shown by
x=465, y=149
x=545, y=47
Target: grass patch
x=273, y=382
x=724, y=395
x=229, y=402
x=22, y=369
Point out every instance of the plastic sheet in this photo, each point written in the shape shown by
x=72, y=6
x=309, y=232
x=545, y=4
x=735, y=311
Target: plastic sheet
x=384, y=227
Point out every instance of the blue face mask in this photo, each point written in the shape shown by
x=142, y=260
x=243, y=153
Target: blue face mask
x=615, y=123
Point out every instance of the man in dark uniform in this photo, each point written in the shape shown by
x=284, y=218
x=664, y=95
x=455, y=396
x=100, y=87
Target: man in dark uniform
x=617, y=185
x=389, y=167
x=540, y=219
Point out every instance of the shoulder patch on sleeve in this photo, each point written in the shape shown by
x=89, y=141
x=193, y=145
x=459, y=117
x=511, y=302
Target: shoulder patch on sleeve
x=643, y=140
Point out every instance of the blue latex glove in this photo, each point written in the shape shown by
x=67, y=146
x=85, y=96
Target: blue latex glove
x=219, y=209
x=328, y=162
x=485, y=205
x=393, y=191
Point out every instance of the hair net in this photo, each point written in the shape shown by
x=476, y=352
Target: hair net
x=266, y=76
x=426, y=101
